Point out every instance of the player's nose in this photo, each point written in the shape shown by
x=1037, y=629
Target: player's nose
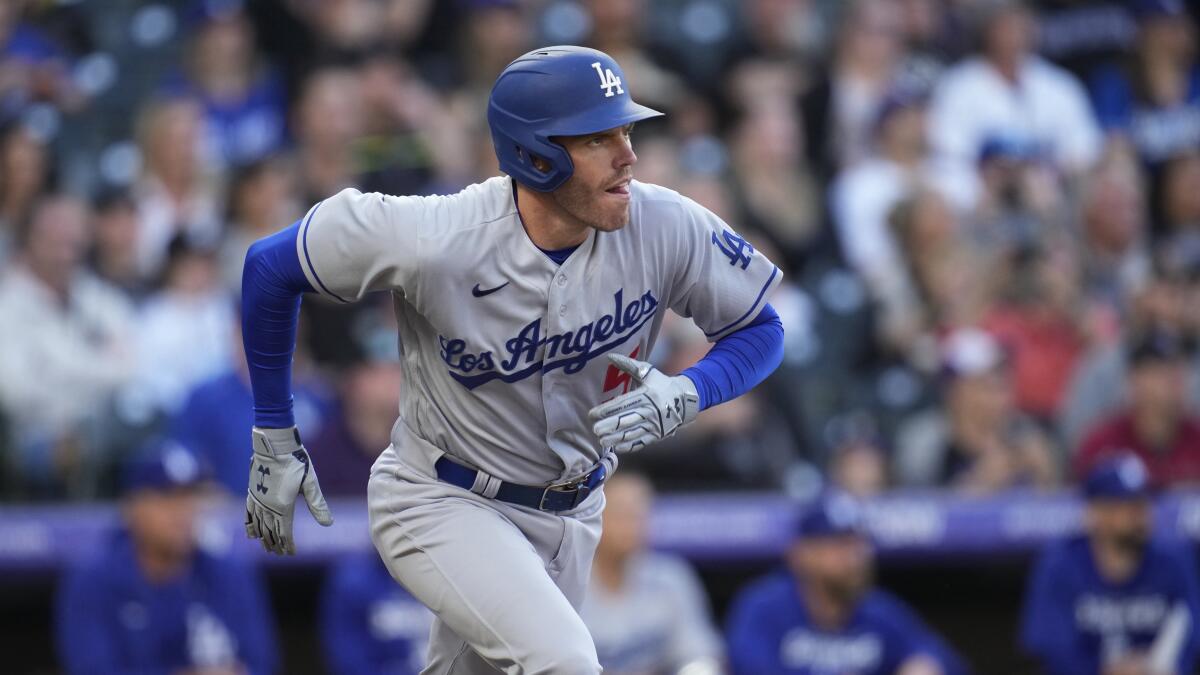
x=626, y=156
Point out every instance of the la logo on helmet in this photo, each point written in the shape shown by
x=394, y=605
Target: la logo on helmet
x=608, y=80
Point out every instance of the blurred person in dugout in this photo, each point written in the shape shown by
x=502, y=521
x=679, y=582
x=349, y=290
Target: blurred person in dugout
x=821, y=615
x=1155, y=424
x=1116, y=599
x=977, y=442
x=369, y=624
x=71, y=350
x=152, y=598
x=646, y=611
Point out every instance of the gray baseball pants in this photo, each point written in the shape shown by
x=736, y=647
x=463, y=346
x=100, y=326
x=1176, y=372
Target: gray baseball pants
x=504, y=581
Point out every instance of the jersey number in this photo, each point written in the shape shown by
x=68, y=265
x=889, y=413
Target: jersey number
x=734, y=247
x=608, y=80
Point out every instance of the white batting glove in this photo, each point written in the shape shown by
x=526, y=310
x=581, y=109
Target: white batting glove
x=279, y=471
x=656, y=409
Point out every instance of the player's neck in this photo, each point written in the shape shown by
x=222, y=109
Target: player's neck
x=548, y=226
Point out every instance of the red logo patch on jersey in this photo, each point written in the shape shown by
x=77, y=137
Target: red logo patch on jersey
x=615, y=377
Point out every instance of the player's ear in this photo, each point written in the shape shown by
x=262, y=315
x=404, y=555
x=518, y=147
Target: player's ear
x=540, y=164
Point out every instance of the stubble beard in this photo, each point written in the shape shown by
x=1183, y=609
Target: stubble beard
x=578, y=202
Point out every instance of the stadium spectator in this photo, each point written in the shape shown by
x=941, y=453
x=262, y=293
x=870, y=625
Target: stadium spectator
x=24, y=174
x=175, y=194
x=262, y=200
x=327, y=120
x=369, y=624
x=1155, y=425
x=646, y=611
x=66, y=350
x=772, y=188
x=33, y=69
x=1008, y=92
x=1153, y=100
x=152, y=599
x=191, y=314
x=822, y=615
x=242, y=97
x=1019, y=202
x=839, y=110
x=1114, y=600
x=358, y=429
x=113, y=256
x=941, y=283
x=1114, y=247
x=1097, y=387
x=1080, y=35
x=1038, y=319
x=980, y=443
x=1178, y=226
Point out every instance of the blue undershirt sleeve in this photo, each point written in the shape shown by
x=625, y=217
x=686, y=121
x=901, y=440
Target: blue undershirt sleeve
x=272, y=284
x=740, y=360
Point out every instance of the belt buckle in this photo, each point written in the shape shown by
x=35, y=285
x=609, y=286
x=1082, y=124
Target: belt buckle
x=578, y=486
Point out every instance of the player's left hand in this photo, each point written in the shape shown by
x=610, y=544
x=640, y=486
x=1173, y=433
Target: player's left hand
x=656, y=409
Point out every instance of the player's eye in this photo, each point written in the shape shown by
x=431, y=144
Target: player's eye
x=595, y=140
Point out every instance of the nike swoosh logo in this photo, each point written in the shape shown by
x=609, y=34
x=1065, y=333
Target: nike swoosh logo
x=479, y=294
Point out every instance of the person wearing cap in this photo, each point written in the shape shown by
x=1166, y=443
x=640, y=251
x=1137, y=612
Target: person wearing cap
x=646, y=611
x=151, y=600
x=1114, y=600
x=368, y=623
x=821, y=615
x=977, y=441
x=1155, y=424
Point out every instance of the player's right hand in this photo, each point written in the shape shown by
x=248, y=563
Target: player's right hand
x=280, y=469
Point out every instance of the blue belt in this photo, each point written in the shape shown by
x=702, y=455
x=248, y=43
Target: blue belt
x=558, y=497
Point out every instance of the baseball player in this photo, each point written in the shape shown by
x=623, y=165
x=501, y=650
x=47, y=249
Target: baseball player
x=1114, y=600
x=821, y=615
x=525, y=306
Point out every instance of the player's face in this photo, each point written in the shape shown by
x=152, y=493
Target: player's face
x=597, y=194
x=841, y=565
x=163, y=521
x=1125, y=523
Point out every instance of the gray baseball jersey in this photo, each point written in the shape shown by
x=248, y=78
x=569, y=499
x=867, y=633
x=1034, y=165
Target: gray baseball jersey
x=502, y=349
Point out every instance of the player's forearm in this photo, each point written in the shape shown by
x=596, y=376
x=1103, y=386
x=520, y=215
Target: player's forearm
x=739, y=361
x=272, y=284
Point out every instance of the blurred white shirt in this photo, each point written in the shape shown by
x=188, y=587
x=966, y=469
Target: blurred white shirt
x=861, y=200
x=1047, y=106
x=182, y=340
x=658, y=624
x=59, y=363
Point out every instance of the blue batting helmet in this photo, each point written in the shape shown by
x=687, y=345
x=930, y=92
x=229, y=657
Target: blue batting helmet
x=555, y=91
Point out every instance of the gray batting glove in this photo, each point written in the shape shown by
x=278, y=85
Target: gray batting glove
x=656, y=409
x=279, y=471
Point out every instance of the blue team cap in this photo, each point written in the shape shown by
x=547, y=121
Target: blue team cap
x=1153, y=9
x=1008, y=147
x=832, y=514
x=163, y=464
x=1123, y=476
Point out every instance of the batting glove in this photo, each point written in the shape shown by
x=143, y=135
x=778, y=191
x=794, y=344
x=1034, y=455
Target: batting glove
x=655, y=410
x=279, y=470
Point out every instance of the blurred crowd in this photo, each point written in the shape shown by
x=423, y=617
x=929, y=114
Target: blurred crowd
x=988, y=212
